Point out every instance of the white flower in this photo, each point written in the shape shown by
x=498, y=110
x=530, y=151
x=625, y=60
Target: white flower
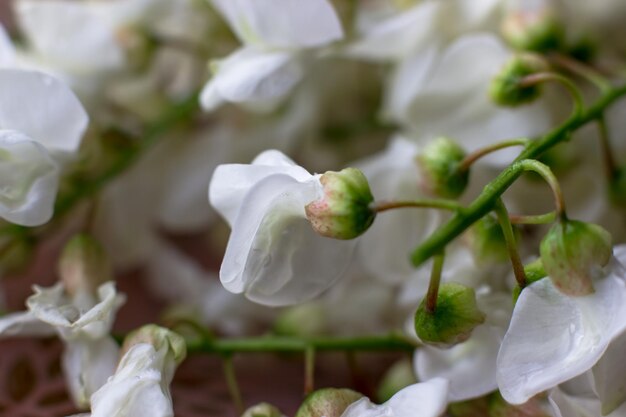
x=273, y=254
x=554, y=338
x=42, y=123
x=83, y=323
x=566, y=405
x=426, y=399
x=272, y=32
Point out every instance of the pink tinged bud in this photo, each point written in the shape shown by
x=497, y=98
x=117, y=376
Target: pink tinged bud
x=344, y=211
x=573, y=253
x=262, y=410
x=327, y=402
x=438, y=164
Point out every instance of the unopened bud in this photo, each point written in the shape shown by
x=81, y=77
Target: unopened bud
x=573, y=253
x=533, y=30
x=486, y=241
x=327, y=402
x=158, y=337
x=399, y=376
x=438, y=164
x=507, y=89
x=262, y=410
x=344, y=211
x=304, y=320
x=83, y=265
x=454, y=318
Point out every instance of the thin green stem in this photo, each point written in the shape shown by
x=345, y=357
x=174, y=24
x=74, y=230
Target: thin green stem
x=465, y=164
x=546, y=218
x=610, y=168
x=309, y=370
x=379, y=206
x=385, y=343
x=547, y=174
x=511, y=243
x=583, y=70
x=483, y=204
x=231, y=381
x=541, y=77
x=433, y=285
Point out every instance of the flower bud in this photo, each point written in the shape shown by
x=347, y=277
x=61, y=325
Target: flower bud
x=262, y=410
x=399, y=376
x=486, y=241
x=438, y=164
x=83, y=265
x=533, y=271
x=573, y=253
x=158, y=337
x=303, y=320
x=327, y=402
x=506, y=88
x=536, y=30
x=344, y=211
x=454, y=318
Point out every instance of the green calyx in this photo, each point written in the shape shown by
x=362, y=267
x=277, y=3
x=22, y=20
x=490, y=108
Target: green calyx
x=540, y=31
x=344, y=211
x=439, y=167
x=158, y=337
x=506, y=88
x=327, y=402
x=573, y=253
x=454, y=318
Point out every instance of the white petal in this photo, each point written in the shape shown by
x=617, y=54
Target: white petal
x=247, y=76
x=28, y=180
x=273, y=254
x=43, y=108
x=282, y=23
x=553, y=338
x=97, y=321
x=231, y=182
x=51, y=306
x=469, y=366
x=7, y=50
x=69, y=34
x=24, y=324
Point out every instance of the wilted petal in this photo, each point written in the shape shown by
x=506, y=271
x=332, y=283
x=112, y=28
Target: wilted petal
x=553, y=338
x=24, y=324
x=282, y=23
x=248, y=76
x=43, y=108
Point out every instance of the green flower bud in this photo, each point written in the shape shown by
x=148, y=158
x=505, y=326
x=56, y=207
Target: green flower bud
x=304, y=320
x=262, y=410
x=537, y=31
x=486, y=241
x=399, y=376
x=572, y=253
x=438, y=164
x=158, y=337
x=506, y=89
x=327, y=402
x=83, y=265
x=344, y=212
x=453, y=320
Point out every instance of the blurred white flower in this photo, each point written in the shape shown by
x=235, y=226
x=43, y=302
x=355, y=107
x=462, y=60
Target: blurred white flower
x=273, y=254
x=273, y=32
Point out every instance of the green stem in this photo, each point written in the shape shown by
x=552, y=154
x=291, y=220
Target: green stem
x=610, y=168
x=541, y=77
x=379, y=206
x=309, y=370
x=433, y=285
x=465, y=164
x=581, y=69
x=484, y=203
x=387, y=343
x=548, y=176
x=231, y=381
x=511, y=243
x=546, y=218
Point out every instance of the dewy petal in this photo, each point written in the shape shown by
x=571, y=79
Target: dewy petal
x=553, y=338
x=273, y=254
x=282, y=23
x=232, y=182
x=469, y=366
x=43, y=108
x=136, y=388
x=28, y=179
x=248, y=76
x=426, y=399
x=69, y=34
